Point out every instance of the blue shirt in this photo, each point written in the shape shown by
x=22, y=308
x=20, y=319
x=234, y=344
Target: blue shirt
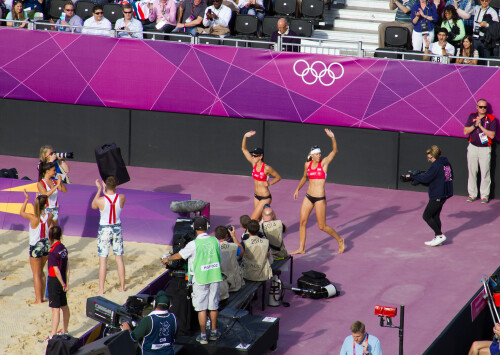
x=373, y=346
x=430, y=10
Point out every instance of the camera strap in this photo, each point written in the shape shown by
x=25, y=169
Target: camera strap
x=354, y=344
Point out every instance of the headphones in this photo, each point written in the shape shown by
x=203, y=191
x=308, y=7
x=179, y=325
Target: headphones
x=205, y=219
x=158, y=295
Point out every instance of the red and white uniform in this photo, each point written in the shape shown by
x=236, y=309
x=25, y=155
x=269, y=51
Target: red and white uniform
x=317, y=173
x=41, y=231
x=111, y=213
x=52, y=201
x=259, y=175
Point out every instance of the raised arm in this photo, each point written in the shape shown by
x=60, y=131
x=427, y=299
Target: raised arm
x=95, y=201
x=30, y=217
x=244, y=149
x=328, y=159
x=301, y=182
x=236, y=241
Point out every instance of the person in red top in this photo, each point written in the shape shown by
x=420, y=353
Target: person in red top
x=481, y=129
x=260, y=173
x=58, y=280
x=315, y=169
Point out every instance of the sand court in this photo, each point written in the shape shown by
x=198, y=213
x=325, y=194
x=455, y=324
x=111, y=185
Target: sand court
x=25, y=324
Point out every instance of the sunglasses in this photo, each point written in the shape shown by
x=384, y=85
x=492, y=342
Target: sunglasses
x=98, y=13
x=255, y=155
x=482, y=107
x=69, y=10
x=127, y=12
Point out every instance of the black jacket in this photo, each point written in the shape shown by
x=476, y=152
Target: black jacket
x=439, y=177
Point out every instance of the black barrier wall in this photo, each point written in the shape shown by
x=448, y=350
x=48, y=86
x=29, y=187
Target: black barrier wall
x=213, y=144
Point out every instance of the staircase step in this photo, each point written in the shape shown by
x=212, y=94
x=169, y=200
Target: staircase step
x=368, y=25
x=348, y=35
x=372, y=4
x=364, y=14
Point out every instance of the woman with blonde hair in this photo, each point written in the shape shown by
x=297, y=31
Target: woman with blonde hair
x=39, y=223
x=315, y=170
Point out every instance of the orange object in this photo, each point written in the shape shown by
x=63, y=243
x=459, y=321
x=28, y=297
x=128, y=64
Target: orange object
x=496, y=297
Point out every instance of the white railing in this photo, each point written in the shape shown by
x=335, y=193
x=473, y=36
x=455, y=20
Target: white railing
x=305, y=45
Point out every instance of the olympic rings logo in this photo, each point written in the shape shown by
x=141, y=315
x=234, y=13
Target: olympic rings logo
x=317, y=71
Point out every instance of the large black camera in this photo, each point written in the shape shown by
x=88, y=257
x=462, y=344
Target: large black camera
x=64, y=155
x=113, y=315
x=403, y=177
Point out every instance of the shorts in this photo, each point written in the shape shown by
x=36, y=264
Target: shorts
x=494, y=348
x=106, y=236
x=57, y=297
x=206, y=296
x=54, y=211
x=41, y=248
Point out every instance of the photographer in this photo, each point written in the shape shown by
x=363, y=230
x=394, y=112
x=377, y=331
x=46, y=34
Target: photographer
x=48, y=155
x=439, y=177
x=230, y=253
x=156, y=332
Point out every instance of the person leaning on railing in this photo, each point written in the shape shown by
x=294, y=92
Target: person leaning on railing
x=97, y=24
x=70, y=18
x=17, y=14
x=467, y=50
x=132, y=28
x=442, y=48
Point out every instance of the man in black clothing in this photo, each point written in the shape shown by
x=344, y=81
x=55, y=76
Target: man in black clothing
x=439, y=177
x=284, y=31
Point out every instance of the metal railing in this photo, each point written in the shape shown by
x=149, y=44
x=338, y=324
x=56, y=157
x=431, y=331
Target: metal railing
x=420, y=56
x=305, y=45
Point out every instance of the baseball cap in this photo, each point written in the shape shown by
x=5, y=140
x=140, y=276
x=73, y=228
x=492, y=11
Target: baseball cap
x=257, y=151
x=162, y=298
x=200, y=223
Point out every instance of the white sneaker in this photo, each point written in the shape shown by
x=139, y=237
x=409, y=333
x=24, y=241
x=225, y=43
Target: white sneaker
x=438, y=240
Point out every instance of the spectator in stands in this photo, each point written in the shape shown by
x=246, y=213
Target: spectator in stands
x=403, y=18
x=423, y=16
x=440, y=4
x=360, y=342
x=132, y=26
x=454, y=25
x=480, y=26
x=163, y=16
x=33, y=6
x=216, y=20
x=465, y=8
x=442, y=48
x=486, y=347
x=97, y=25
x=230, y=253
x=254, y=8
x=232, y=5
x=190, y=16
x=481, y=128
x=256, y=266
x=17, y=14
x=284, y=32
x=70, y=19
x=467, y=50
x=203, y=255
x=273, y=229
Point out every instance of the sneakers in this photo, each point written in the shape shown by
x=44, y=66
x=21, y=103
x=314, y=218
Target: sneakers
x=470, y=199
x=484, y=200
x=438, y=240
x=214, y=335
x=202, y=338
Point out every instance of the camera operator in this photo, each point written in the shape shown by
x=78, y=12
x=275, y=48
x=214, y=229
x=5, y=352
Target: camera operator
x=439, y=177
x=48, y=155
x=203, y=255
x=156, y=332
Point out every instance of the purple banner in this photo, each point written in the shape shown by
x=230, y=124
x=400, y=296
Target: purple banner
x=145, y=218
x=239, y=82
